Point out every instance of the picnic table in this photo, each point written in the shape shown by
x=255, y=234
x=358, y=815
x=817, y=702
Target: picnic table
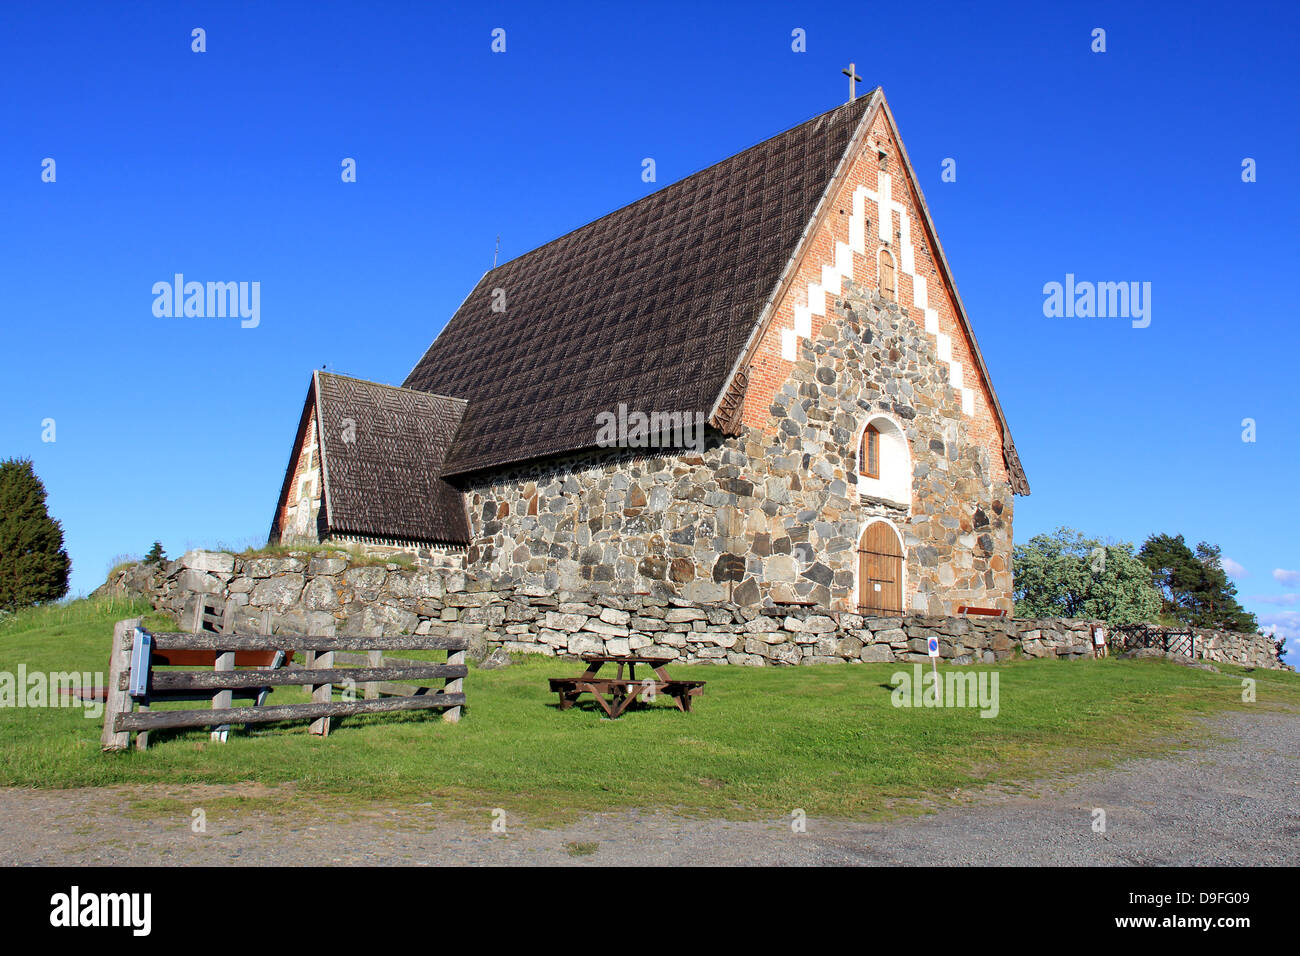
x=615, y=694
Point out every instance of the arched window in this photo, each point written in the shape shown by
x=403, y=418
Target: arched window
x=888, y=282
x=885, y=461
x=870, y=452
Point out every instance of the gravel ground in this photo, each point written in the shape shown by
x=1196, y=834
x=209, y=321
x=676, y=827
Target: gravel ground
x=1234, y=803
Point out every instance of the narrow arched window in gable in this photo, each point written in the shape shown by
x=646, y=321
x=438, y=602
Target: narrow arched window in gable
x=888, y=281
x=870, y=454
x=884, y=463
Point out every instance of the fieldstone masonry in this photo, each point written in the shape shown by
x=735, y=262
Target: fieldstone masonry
x=771, y=517
x=324, y=593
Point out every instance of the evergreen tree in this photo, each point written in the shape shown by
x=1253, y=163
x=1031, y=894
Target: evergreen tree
x=1065, y=574
x=1194, y=588
x=156, y=554
x=33, y=565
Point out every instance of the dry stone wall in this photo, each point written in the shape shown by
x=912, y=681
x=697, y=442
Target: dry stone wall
x=325, y=593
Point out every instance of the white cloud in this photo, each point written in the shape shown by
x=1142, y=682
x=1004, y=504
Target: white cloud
x=1286, y=577
x=1234, y=569
x=1274, y=598
x=1285, y=624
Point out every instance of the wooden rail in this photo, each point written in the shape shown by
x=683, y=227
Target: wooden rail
x=385, y=685
x=170, y=640
x=171, y=719
x=231, y=680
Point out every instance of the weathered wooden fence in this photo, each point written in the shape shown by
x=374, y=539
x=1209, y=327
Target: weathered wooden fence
x=133, y=680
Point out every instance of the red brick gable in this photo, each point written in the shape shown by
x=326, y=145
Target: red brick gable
x=923, y=286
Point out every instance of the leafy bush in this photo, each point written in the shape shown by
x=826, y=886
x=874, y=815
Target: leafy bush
x=1064, y=574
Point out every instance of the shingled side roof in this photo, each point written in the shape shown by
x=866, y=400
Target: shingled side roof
x=649, y=306
x=382, y=450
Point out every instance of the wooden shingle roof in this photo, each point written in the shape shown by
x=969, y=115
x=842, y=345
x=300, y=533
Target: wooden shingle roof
x=650, y=305
x=382, y=451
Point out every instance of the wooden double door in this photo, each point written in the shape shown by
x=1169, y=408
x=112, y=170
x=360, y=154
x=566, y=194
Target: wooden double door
x=880, y=571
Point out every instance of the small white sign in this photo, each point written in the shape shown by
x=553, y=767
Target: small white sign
x=1098, y=636
x=933, y=646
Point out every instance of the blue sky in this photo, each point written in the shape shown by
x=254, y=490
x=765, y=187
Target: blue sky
x=225, y=165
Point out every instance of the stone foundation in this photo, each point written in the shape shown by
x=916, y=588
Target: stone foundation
x=322, y=593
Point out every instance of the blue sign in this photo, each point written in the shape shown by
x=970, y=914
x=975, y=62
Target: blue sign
x=141, y=653
x=933, y=646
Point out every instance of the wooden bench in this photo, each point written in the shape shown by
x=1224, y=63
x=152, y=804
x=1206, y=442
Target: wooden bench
x=616, y=694
x=209, y=618
x=983, y=611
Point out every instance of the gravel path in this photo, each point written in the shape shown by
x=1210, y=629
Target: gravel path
x=1235, y=803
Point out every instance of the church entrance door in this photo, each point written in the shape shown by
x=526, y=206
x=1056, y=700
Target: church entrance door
x=880, y=571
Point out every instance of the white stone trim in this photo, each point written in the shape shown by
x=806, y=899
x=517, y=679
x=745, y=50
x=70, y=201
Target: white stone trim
x=803, y=320
x=909, y=260
x=904, y=262
x=885, y=205
x=833, y=275
x=789, y=344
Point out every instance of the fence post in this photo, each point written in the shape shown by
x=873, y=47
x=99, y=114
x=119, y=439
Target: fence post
x=373, y=659
x=454, y=686
x=142, y=736
x=221, y=700
x=118, y=701
x=322, y=693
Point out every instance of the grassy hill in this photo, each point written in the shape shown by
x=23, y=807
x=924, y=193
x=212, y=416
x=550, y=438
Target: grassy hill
x=761, y=742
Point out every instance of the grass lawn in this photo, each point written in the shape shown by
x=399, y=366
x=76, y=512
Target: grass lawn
x=760, y=743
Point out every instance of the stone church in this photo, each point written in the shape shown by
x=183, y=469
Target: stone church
x=794, y=300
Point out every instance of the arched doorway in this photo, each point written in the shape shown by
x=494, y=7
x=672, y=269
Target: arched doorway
x=880, y=570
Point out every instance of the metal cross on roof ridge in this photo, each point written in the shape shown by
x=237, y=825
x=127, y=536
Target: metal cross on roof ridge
x=851, y=73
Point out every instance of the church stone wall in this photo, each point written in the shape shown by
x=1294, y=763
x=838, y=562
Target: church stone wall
x=771, y=516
